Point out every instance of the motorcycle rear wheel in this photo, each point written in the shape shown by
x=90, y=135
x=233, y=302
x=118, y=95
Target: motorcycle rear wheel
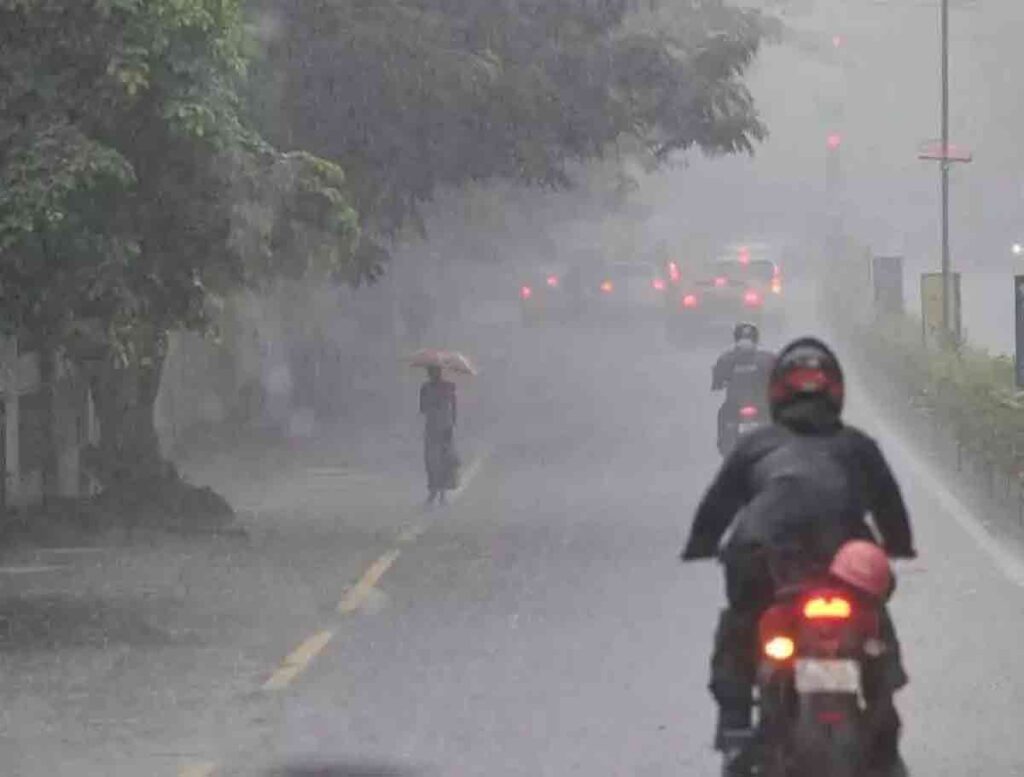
x=828, y=738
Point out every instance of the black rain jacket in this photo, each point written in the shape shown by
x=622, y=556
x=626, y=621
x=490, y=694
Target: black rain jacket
x=744, y=374
x=806, y=482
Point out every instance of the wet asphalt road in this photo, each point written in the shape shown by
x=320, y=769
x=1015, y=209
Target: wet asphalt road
x=541, y=624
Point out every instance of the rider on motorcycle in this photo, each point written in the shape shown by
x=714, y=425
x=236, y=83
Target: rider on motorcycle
x=743, y=371
x=801, y=486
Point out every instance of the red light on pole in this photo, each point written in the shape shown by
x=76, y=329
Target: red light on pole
x=835, y=140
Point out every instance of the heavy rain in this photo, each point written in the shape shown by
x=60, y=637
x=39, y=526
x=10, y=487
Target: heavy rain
x=387, y=386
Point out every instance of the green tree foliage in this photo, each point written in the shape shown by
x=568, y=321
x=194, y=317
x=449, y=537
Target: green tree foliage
x=132, y=193
x=412, y=95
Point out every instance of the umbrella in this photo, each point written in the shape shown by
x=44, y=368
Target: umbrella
x=453, y=361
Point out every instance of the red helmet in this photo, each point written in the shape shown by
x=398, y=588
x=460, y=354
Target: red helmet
x=806, y=369
x=864, y=566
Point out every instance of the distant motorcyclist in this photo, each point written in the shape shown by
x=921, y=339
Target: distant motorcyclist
x=799, y=489
x=743, y=372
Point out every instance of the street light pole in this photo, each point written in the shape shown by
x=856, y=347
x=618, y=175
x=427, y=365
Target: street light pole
x=947, y=314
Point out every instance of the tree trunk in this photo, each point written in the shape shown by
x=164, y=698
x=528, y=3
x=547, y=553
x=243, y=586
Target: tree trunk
x=124, y=397
x=47, y=386
x=139, y=485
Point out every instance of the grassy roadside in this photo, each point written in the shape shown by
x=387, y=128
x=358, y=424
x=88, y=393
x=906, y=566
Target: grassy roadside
x=956, y=404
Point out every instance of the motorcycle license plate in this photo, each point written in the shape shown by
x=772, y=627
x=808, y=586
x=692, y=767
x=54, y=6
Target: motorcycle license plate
x=817, y=675
x=749, y=426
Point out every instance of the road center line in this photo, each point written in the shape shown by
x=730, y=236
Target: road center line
x=470, y=473
x=356, y=595
x=411, y=534
x=296, y=661
x=205, y=769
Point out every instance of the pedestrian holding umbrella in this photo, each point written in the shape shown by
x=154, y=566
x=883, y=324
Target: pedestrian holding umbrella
x=439, y=408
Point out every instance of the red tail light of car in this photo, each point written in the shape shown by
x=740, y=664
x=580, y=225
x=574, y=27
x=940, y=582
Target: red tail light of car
x=658, y=284
x=748, y=411
x=553, y=281
x=752, y=299
x=607, y=287
x=526, y=292
x=690, y=301
x=828, y=607
x=721, y=281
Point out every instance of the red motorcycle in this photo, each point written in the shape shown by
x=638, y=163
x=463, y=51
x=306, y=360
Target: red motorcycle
x=816, y=642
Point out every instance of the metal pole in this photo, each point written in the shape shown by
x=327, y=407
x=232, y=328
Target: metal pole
x=947, y=301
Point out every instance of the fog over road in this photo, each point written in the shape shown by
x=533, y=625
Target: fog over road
x=540, y=625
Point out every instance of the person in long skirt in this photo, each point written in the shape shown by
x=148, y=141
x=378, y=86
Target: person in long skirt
x=438, y=406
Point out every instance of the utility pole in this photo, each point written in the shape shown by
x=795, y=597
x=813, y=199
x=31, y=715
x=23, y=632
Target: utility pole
x=833, y=192
x=947, y=302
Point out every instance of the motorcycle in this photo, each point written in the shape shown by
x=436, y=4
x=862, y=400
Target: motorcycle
x=815, y=643
x=743, y=419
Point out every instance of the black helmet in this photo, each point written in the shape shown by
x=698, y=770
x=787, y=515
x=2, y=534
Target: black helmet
x=806, y=369
x=746, y=331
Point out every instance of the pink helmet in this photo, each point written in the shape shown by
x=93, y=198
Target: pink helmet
x=865, y=566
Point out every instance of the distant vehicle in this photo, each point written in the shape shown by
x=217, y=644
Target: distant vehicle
x=742, y=420
x=553, y=293
x=673, y=273
x=724, y=291
x=625, y=290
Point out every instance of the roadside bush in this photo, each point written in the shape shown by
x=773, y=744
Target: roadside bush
x=964, y=391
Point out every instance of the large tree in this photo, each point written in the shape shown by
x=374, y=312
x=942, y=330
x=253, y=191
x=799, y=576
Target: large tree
x=412, y=95
x=133, y=195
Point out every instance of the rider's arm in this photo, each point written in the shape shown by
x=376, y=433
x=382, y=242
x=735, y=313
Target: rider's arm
x=720, y=372
x=718, y=508
x=885, y=501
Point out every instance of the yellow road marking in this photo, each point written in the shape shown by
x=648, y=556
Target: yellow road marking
x=205, y=769
x=356, y=595
x=411, y=534
x=296, y=661
x=469, y=474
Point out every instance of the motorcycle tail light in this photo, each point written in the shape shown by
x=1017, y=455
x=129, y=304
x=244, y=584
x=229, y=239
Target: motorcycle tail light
x=827, y=608
x=751, y=299
x=607, y=287
x=526, y=292
x=748, y=411
x=658, y=284
x=690, y=301
x=780, y=648
x=720, y=281
x=553, y=281
x=777, y=620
